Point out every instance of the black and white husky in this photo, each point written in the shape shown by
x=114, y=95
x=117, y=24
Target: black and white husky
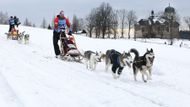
x=143, y=63
x=118, y=61
x=26, y=38
x=91, y=59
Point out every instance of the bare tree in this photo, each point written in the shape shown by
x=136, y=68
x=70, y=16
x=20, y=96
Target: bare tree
x=187, y=21
x=105, y=11
x=90, y=19
x=171, y=18
x=97, y=23
x=112, y=24
x=122, y=20
x=81, y=24
x=131, y=20
x=115, y=23
x=159, y=16
x=75, y=24
x=103, y=21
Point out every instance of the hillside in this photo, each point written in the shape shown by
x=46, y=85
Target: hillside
x=30, y=75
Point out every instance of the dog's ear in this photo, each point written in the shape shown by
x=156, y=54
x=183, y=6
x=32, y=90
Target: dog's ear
x=96, y=53
x=128, y=52
x=147, y=50
x=151, y=50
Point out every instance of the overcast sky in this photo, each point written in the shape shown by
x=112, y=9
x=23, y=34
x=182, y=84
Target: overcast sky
x=35, y=10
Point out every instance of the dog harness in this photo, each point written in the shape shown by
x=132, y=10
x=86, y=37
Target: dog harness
x=114, y=57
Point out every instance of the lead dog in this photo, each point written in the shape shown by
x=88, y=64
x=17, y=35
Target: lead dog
x=118, y=61
x=91, y=59
x=143, y=63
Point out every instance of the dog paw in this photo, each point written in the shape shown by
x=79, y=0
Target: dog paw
x=145, y=81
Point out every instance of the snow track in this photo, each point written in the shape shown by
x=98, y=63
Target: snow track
x=30, y=76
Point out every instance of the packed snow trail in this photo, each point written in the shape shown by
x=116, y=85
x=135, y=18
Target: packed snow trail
x=8, y=97
x=30, y=76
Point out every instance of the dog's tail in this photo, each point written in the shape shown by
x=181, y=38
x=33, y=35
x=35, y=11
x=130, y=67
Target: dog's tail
x=135, y=52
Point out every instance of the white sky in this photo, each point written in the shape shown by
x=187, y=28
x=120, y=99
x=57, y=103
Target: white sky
x=35, y=10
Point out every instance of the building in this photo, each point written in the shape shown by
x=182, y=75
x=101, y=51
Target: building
x=164, y=26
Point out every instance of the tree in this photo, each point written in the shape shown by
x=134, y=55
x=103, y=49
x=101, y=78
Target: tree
x=187, y=21
x=81, y=24
x=33, y=25
x=49, y=27
x=159, y=15
x=44, y=23
x=104, y=14
x=90, y=19
x=122, y=20
x=131, y=20
x=102, y=21
x=97, y=23
x=4, y=18
x=27, y=23
x=115, y=23
x=171, y=18
x=151, y=23
x=75, y=25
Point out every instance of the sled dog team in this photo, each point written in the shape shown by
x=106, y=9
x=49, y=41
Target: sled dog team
x=118, y=61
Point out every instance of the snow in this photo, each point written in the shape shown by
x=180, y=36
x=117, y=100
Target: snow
x=30, y=76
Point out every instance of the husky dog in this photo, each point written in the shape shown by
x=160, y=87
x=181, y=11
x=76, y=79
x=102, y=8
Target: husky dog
x=20, y=38
x=143, y=63
x=91, y=59
x=26, y=38
x=118, y=61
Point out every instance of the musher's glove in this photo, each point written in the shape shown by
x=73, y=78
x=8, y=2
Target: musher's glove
x=70, y=32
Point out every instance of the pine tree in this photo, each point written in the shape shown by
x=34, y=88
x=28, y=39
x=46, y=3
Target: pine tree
x=4, y=18
x=49, y=27
x=27, y=22
x=44, y=23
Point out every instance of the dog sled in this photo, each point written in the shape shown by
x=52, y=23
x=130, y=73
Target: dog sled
x=14, y=34
x=69, y=50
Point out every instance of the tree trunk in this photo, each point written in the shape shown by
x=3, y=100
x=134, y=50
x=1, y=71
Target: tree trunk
x=122, y=32
x=129, y=31
x=90, y=33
